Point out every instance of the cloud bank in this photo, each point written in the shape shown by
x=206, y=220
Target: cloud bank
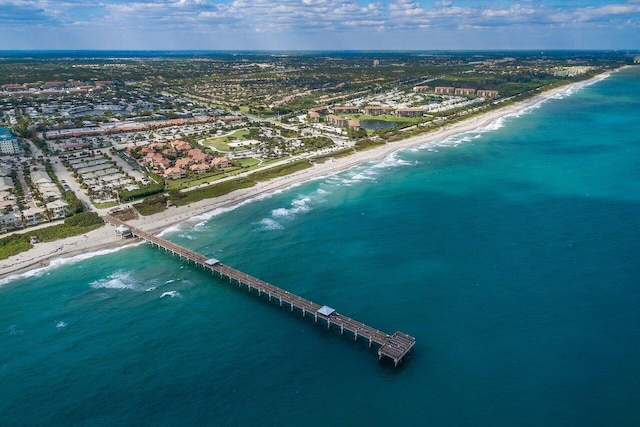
x=317, y=24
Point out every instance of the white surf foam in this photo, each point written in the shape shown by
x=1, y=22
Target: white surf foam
x=393, y=160
x=270, y=224
x=61, y=262
x=298, y=206
x=173, y=229
x=172, y=294
x=61, y=325
x=117, y=280
x=200, y=220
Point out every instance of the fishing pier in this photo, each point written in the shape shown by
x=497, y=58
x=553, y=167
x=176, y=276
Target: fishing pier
x=394, y=347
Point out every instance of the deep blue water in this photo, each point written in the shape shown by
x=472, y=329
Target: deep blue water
x=510, y=253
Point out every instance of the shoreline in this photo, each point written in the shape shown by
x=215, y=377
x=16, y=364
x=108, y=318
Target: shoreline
x=47, y=255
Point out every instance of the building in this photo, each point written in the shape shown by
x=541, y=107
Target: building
x=571, y=71
x=338, y=121
x=484, y=93
x=314, y=117
x=6, y=183
x=53, y=85
x=465, y=91
x=346, y=109
x=77, y=145
x=124, y=232
x=409, y=112
x=378, y=110
x=174, y=173
x=228, y=119
x=10, y=221
x=320, y=110
x=198, y=155
x=13, y=87
x=354, y=124
x=39, y=177
x=421, y=88
x=199, y=168
x=184, y=162
x=221, y=163
x=58, y=209
x=34, y=216
x=180, y=145
x=445, y=90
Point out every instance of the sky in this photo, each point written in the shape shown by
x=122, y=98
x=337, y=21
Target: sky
x=318, y=24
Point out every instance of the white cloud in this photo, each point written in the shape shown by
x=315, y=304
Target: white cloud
x=287, y=19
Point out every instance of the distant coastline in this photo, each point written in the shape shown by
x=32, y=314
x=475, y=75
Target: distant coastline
x=104, y=240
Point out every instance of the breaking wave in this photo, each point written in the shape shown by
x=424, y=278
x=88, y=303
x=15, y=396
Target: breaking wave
x=172, y=294
x=269, y=224
x=117, y=280
x=62, y=262
x=298, y=206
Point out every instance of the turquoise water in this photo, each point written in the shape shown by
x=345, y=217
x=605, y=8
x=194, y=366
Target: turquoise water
x=5, y=134
x=509, y=253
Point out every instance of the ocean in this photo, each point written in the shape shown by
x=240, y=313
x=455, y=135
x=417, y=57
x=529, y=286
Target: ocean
x=510, y=253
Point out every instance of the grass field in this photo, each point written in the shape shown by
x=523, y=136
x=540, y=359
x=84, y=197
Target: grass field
x=220, y=143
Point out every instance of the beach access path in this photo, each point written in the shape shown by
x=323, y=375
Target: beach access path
x=43, y=254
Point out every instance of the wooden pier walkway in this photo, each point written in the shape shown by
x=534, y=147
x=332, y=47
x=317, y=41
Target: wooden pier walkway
x=395, y=346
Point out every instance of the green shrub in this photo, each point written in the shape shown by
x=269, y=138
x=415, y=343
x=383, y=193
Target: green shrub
x=149, y=190
x=14, y=244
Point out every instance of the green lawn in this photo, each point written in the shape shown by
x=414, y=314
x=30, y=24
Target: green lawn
x=389, y=118
x=105, y=205
x=216, y=143
x=247, y=163
x=151, y=205
x=226, y=187
x=221, y=142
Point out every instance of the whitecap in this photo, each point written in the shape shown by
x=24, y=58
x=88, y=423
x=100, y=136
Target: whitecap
x=153, y=288
x=170, y=230
x=392, y=161
x=298, y=206
x=172, y=294
x=61, y=324
x=270, y=224
x=199, y=220
x=280, y=212
x=117, y=280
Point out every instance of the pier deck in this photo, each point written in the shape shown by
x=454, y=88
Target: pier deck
x=394, y=346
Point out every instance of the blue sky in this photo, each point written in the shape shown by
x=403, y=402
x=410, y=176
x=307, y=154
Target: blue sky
x=319, y=24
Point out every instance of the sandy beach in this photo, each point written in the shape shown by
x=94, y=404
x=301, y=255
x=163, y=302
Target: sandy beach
x=105, y=238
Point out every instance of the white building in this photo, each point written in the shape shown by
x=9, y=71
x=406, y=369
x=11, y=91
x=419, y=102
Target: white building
x=58, y=209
